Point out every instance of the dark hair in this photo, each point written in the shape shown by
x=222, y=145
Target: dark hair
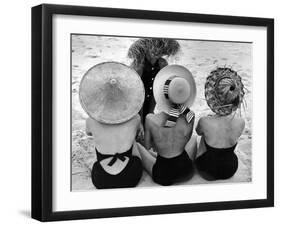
x=158, y=46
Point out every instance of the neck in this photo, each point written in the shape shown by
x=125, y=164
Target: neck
x=225, y=116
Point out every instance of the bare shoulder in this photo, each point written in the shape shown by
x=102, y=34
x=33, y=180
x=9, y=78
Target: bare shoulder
x=240, y=120
x=137, y=118
x=134, y=121
x=149, y=119
x=205, y=124
x=205, y=120
x=90, y=122
x=91, y=126
x=154, y=119
x=162, y=62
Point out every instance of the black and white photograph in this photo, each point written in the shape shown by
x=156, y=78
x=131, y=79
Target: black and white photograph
x=140, y=113
x=152, y=111
x=143, y=112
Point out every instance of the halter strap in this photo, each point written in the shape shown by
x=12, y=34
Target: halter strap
x=176, y=109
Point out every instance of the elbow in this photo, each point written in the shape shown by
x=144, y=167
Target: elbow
x=147, y=145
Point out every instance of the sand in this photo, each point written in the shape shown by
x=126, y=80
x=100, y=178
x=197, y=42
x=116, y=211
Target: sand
x=200, y=57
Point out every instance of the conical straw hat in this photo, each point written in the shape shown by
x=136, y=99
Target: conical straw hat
x=181, y=78
x=111, y=93
x=222, y=86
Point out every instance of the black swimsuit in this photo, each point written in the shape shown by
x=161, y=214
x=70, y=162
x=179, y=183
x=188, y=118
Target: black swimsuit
x=217, y=163
x=128, y=177
x=167, y=171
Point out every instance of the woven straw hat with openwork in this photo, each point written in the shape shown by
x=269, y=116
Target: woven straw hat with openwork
x=111, y=93
x=224, y=91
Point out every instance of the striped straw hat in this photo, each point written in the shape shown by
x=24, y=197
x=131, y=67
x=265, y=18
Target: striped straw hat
x=174, y=84
x=224, y=91
x=111, y=93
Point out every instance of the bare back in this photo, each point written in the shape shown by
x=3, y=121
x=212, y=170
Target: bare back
x=110, y=139
x=221, y=132
x=168, y=142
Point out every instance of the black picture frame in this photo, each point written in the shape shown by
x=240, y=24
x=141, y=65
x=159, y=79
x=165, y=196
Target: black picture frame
x=42, y=107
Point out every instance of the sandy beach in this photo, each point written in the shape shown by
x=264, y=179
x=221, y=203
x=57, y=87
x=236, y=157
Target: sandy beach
x=198, y=57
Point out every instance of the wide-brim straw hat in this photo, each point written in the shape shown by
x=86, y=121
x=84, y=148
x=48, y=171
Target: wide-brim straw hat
x=182, y=88
x=215, y=94
x=111, y=93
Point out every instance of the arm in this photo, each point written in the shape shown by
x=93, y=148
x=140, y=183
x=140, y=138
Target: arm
x=242, y=126
x=190, y=125
x=147, y=134
x=199, y=129
x=140, y=131
x=88, y=126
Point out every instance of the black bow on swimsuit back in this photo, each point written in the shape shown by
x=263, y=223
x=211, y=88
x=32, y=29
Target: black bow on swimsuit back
x=115, y=156
x=128, y=177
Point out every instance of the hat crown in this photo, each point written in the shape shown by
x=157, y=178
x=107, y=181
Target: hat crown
x=224, y=91
x=179, y=90
x=113, y=94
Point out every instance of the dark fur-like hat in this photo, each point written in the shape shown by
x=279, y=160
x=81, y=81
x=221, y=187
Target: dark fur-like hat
x=157, y=46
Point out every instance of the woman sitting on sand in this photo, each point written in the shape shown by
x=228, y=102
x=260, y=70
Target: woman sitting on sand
x=147, y=54
x=224, y=92
x=112, y=94
x=169, y=132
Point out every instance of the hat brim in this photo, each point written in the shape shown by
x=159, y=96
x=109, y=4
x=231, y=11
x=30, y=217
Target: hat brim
x=163, y=104
x=94, y=88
